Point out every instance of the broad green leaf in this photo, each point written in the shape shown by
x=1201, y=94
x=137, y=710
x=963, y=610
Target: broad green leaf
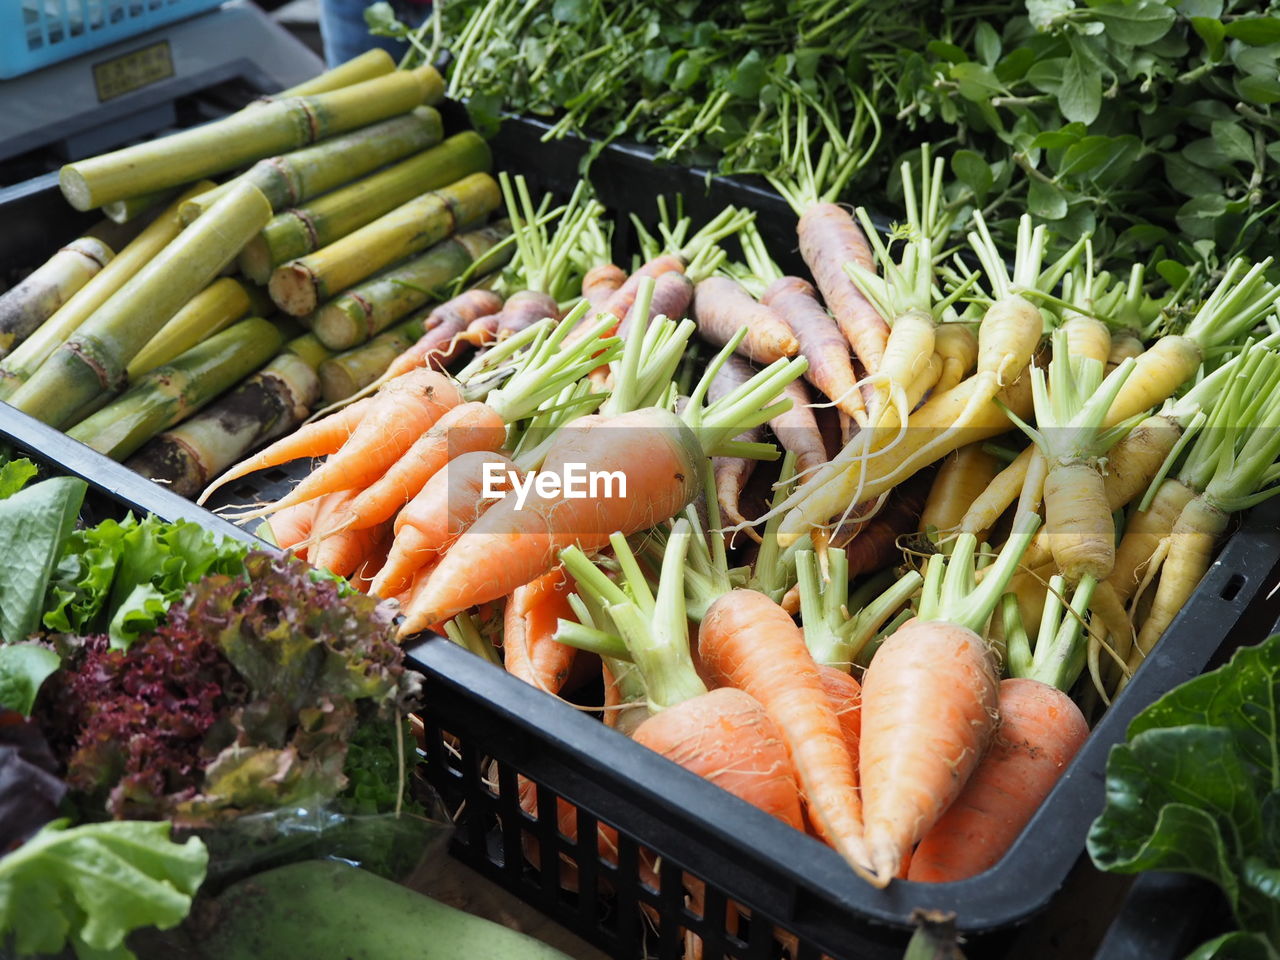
x=95, y=884
x=23, y=668
x=1189, y=179
x=1092, y=155
x=1080, y=95
x=1208, y=153
x=1259, y=89
x=973, y=171
x=1045, y=13
x=987, y=42
x=1172, y=272
x=1046, y=75
x=1199, y=215
x=975, y=82
x=571, y=11
x=1235, y=946
x=1255, y=31
x=1213, y=33
x=14, y=476
x=1233, y=140
x=33, y=525
x=1063, y=137
x=947, y=51
x=1255, y=61
x=1045, y=200
x=748, y=76
x=1135, y=24
x=1211, y=9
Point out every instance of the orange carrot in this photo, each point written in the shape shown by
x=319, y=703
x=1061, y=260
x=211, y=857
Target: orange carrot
x=525, y=308
x=343, y=552
x=481, y=331
x=466, y=428
x=732, y=473
x=373, y=562
x=599, y=284
x=821, y=342
x=844, y=693
x=510, y=545
x=292, y=525
x=797, y=430
x=529, y=648
x=749, y=642
x=446, y=506
x=444, y=323
x=928, y=710
x=1041, y=730
x=830, y=238
x=317, y=439
x=399, y=413
x=727, y=737
x=722, y=306
x=620, y=301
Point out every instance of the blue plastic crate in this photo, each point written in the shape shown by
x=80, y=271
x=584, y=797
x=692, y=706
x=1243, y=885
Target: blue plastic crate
x=36, y=33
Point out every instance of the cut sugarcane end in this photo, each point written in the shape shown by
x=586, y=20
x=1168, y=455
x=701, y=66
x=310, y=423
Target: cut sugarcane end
x=75, y=188
x=293, y=289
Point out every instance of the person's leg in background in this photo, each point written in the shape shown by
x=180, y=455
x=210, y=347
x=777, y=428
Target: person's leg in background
x=345, y=34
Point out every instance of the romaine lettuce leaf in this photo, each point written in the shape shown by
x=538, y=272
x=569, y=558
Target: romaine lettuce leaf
x=35, y=523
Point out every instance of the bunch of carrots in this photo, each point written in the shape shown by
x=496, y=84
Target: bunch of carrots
x=999, y=479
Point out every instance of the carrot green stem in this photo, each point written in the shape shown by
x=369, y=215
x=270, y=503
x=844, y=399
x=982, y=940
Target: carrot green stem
x=834, y=634
x=951, y=592
x=463, y=631
x=1059, y=655
x=1236, y=305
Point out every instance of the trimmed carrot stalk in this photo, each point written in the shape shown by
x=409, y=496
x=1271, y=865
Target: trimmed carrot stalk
x=448, y=504
x=530, y=651
x=722, y=307
x=400, y=412
x=672, y=294
x=318, y=439
x=372, y=306
x=300, y=286
x=467, y=428
x=747, y=641
x=599, y=284
x=297, y=232
x=243, y=138
x=830, y=238
x=931, y=685
x=727, y=737
x=1041, y=730
x=25, y=306
x=820, y=342
x=653, y=449
x=963, y=477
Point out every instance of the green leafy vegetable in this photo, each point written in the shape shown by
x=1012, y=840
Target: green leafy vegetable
x=23, y=668
x=91, y=885
x=121, y=577
x=14, y=475
x=34, y=524
x=1197, y=790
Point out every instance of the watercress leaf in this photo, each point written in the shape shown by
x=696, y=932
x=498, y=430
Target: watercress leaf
x=1080, y=95
x=96, y=883
x=975, y=82
x=1047, y=75
x=23, y=668
x=381, y=20
x=1045, y=200
x=1089, y=154
x=972, y=170
x=1172, y=272
x=1060, y=138
x=1207, y=152
x=33, y=524
x=1237, y=945
x=1255, y=61
x=1136, y=24
x=1189, y=179
x=987, y=42
x=14, y=475
x=1045, y=14
x=1014, y=65
x=1200, y=8
x=1234, y=141
x=748, y=76
x=571, y=11
x=1198, y=216
x=1213, y=33
x=1255, y=31
x=1262, y=877
x=1259, y=89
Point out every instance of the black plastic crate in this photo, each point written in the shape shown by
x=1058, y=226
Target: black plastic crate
x=485, y=730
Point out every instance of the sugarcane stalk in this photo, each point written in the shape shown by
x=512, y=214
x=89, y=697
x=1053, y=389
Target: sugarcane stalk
x=291, y=178
x=243, y=138
x=300, y=286
x=130, y=208
x=310, y=349
x=295, y=233
x=94, y=359
x=269, y=404
x=24, y=307
x=210, y=311
x=17, y=368
x=370, y=307
x=366, y=66
x=350, y=372
x=170, y=394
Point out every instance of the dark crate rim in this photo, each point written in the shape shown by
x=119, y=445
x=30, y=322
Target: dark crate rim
x=1016, y=888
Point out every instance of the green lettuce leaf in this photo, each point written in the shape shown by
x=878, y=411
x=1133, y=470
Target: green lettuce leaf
x=14, y=475
x=1196, y=789
x=92, y=885
x=23, y=668
x=34, y=525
